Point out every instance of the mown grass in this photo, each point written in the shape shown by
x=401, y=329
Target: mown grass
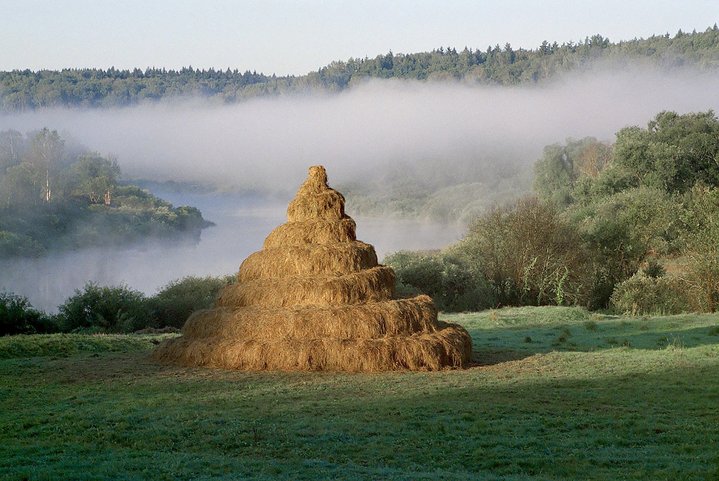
x=64, y=345
x=547, y=408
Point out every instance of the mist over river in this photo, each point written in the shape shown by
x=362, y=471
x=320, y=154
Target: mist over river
x=242, y=223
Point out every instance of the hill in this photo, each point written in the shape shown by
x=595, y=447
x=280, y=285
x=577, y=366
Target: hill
x=26, y=89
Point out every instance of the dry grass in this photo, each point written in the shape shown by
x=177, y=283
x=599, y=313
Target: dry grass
x=376, y=284
x=425, y=351
x=366, y=321
x=308, y=260
x=316, y=200
x=314, y=231
x=323, y=205
x=315, y=299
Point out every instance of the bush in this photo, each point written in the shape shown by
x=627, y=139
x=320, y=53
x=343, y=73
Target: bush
x=445, y=277
x=177, y=300
x=701, y=254
x=17, y=316
x=12, y=244
x=528, y=254
x=702, y=279
x=105, y=309
x=645, y=295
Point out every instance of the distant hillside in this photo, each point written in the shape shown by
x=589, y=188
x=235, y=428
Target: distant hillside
x=26, y=89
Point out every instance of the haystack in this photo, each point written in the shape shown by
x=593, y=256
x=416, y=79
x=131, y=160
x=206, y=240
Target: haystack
x=315, y=298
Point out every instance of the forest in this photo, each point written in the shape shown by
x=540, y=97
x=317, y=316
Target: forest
x=57, y=195
x=496, y=65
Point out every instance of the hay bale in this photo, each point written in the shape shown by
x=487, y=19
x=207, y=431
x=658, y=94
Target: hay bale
x=312, y=231
x=444, y=348
x=376, y=284
x=315, y=299
x=328, y=205
x=308, y=260
x=365, y=321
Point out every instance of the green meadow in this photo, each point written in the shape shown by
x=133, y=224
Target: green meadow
x=554, y=394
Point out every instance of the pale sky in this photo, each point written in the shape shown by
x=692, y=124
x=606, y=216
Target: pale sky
x=295, y=37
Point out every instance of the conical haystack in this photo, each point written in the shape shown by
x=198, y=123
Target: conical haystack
x=315, y=299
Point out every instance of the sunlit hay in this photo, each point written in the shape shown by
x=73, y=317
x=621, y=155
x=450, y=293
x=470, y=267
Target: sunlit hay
x=308, y=260
x=314, y=231
x=315, y=299
x=323, y=205
x=376, y=284
x=444, y=348
x=363, y=321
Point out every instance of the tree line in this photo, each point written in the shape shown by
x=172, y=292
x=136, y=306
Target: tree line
x=26, y=89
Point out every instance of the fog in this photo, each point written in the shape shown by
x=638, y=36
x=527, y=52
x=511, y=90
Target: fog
x=266, y=144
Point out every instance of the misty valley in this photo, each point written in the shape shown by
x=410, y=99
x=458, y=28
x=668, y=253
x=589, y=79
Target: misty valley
x=453, y=264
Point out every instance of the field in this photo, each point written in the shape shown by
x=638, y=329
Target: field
x=556, y=393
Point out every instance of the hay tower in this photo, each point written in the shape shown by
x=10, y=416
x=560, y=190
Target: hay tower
x=314, y=298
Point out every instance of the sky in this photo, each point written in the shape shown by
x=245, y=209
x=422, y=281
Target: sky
x=296, y=37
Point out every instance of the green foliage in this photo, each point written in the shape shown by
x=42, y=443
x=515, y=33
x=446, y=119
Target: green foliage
x=19, y=186
x=528, y=254
x=653, y=268
x=174, y=303
x=22, y=90
x=673, y=153
x=652, y=194
x=447, y=278
x=561, y=166
x=17, y=316
x=66, y=345
x=93, y=176
x=621, y=230
x=104, y=309
x=12, y=244
x=52, y=200
x=700, y=256
x=645, y=295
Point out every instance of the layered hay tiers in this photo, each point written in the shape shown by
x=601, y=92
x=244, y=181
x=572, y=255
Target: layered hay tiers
x=315, y=299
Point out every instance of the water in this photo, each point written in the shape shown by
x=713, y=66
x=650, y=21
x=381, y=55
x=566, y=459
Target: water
x=242, y=223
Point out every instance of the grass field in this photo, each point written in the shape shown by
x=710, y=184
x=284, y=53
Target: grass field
x=556, y=393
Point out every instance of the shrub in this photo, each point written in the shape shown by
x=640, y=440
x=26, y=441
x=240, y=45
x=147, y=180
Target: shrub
x=528, y=254
x=702, y=279
x=701, y=255
x=642, y=294
x=105, y=309
x=619, y=232
x=12, y=244
x=173, y=304
x=17, y=316
x=444, y=276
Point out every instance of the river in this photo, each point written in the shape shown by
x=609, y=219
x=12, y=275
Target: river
x=241, y=225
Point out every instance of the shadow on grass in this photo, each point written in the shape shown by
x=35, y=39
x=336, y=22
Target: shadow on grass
x=504, y=344
x=543, y=420
x=489, y=357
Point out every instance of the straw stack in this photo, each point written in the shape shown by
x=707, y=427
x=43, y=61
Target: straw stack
x=315, y=298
